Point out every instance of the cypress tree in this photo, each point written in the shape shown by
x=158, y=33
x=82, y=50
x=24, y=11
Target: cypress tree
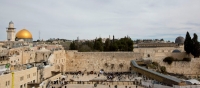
x=195, y=46
x=188, y=43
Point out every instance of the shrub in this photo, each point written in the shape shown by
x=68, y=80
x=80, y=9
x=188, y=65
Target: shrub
x=163, y=69
x=155, y=63
x=169, y=60
x=187, y=59
x=151, y=66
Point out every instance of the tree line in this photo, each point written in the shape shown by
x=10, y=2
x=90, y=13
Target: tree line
x=122, y=44
x=191, y=45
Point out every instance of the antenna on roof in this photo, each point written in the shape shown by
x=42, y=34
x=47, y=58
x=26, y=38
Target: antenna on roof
x=39, y=35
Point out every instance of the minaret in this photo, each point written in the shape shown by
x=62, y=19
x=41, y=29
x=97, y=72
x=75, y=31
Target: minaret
x=11, y=32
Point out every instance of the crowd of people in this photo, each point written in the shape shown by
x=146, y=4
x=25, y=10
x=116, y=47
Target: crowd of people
x=77, y=77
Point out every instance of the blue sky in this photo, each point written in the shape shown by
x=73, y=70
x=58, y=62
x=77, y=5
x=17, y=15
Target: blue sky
x=88, y=19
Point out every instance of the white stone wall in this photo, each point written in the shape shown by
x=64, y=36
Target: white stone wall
x=5, y=81
x=60, y=60
x=42, y=56
x=95, y=61
x=23, y=77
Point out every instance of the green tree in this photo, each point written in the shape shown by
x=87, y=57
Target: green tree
x=107, y=45
x=168, y=60
x=98, y=45
x=188, y=43
x=125, y=44
x=73, y=46
x=114, y=46
x=195, y=46
x=130, y=44
x=84, y=48
x=89, y=44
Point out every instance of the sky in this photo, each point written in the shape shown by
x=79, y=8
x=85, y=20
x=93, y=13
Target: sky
x=88, y=19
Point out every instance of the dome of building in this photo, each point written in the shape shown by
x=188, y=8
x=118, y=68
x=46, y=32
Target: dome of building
x=179, y=40
x=176, y=51
x=24, y=34
x=11, y=22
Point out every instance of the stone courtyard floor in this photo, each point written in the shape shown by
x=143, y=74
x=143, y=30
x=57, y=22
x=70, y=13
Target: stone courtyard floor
x=125, y=82
x=99, y=86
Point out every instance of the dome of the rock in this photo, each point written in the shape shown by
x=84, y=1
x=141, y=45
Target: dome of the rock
x=24, y=34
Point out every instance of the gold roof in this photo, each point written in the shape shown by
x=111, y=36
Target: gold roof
x=24, y=34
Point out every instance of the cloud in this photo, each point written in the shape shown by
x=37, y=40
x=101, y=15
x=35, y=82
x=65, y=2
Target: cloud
x=193, y=24
x=140, y=19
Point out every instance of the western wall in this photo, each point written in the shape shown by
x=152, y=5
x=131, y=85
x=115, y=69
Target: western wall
x=95, y=61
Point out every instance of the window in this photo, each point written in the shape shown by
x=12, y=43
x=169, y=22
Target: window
x=28, y=76
x=21, y=78
x=34, y=74
x=7, y=83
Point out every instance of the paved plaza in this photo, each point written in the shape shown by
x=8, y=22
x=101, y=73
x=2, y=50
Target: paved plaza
x=100, y=86
x=89, y=80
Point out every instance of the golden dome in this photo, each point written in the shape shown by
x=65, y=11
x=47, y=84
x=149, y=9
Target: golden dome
x=24, y=34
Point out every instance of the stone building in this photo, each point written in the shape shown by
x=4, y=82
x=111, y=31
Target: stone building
x=159, y=43
x=26, y=67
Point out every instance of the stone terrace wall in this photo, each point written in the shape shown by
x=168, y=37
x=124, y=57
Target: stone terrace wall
x=183, y=67
x=180, y=67
x=95, y=61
